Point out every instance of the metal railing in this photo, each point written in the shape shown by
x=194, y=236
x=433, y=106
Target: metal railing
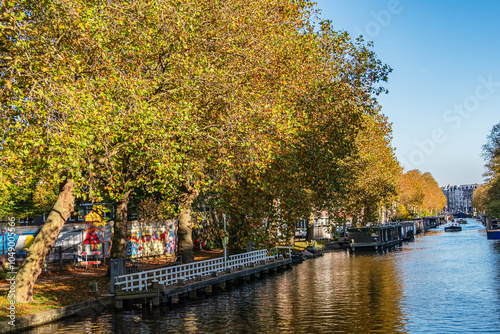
x=135, y=265
x=171, y=275
x=284, y=250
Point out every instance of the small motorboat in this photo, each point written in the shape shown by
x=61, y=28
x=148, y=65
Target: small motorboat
x=462, y=221
x=298, y=258
x=452, y=227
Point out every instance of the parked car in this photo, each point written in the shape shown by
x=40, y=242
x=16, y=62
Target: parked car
x=300, y=233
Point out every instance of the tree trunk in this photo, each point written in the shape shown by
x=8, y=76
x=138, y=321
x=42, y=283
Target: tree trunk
x=32, y=265
x=273, y=235
x=119, y=244
x=238, y=234
x=184, y=231
x=310, y=225
x=272, y=227
x=213, y=229
x=382, y=215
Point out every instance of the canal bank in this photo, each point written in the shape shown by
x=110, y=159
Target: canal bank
x=159, y=286
x=190, y=280
x=65, y=291
x=439, y=283
x=190, y=285
x=87, y=308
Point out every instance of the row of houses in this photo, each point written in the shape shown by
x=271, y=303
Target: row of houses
x=459, y=197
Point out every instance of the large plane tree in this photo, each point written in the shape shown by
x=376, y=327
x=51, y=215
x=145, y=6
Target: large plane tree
x=101, y=98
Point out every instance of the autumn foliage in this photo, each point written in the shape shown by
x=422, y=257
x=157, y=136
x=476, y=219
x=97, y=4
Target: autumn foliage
x=420, y=195
x=486, y=199
x=259, y=104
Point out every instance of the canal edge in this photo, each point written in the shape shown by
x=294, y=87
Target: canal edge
x=47, y=316
x=97, y=306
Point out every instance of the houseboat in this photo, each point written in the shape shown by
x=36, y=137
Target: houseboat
x=431, y=222
x=493, y=229
x=380, y=236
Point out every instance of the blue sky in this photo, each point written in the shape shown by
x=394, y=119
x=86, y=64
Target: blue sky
x=444, y=91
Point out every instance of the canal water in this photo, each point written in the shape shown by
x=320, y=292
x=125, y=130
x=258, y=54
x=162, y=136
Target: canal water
x=443, y=282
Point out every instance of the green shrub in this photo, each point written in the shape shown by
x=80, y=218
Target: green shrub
x=213, y=244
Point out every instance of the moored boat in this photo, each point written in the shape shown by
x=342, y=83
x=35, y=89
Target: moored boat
x=493, y=229
x=452, y=227
x=298, y=258
x=493, y=234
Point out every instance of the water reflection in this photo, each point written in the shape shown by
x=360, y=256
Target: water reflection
x=441, y=283
x=495, y=246
x=101, y=324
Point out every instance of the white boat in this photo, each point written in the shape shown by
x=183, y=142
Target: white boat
x=462, y=221
x=452, y=227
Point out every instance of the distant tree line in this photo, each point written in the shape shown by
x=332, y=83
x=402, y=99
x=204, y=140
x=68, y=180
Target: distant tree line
x=419, y=196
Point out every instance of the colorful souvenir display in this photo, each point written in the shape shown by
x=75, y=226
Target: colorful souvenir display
x=144, y=243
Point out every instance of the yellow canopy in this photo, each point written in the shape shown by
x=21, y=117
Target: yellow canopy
x=93, y=216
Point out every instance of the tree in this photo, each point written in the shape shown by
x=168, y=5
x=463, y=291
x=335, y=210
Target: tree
x=6, y=202
x=420, y=192
x=77, y=113
x=491, y=152
x=434, y=199
x=411, y=192
x=307, y=172
x=41, y=131
x=101, y=99
x=488, y=198
x=480, y=198
x=377, y=172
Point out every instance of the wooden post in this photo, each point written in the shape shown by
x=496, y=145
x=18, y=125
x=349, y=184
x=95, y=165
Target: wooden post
x=118, y=304
x=60, y=258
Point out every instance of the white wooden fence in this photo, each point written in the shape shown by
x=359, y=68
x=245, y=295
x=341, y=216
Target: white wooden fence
x=172, y=275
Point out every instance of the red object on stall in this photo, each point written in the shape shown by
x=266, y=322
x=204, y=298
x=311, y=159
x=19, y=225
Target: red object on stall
x=91, y=238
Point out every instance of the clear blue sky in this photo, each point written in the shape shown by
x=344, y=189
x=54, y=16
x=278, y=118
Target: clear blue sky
x=444, y=92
